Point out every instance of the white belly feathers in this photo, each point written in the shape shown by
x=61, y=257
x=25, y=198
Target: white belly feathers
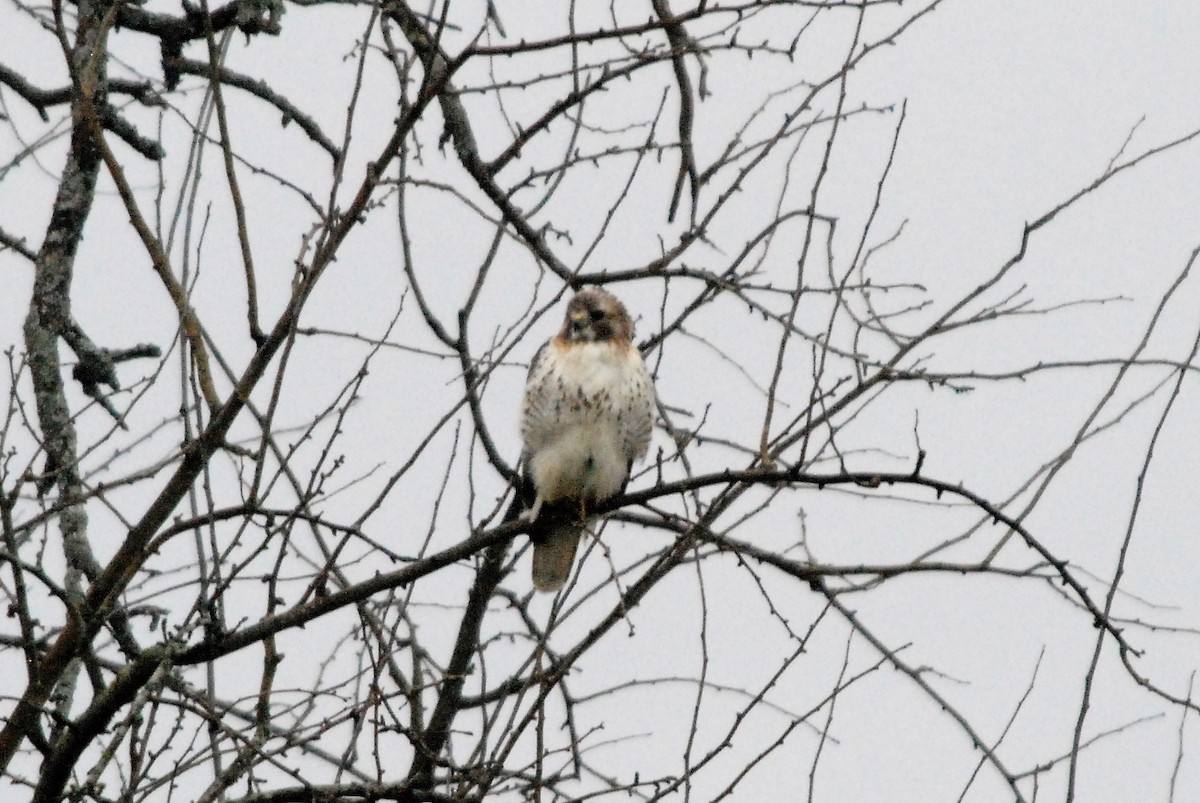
x=577, y=441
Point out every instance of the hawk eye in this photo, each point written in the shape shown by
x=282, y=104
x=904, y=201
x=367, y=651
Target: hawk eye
x=596, y=314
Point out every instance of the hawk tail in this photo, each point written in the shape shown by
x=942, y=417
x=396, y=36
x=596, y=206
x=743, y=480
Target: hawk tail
x=554, y=554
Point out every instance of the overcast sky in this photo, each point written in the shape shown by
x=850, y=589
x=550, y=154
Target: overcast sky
x=1010, y=108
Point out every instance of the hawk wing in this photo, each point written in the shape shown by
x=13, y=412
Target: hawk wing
x=635, y=405
x=537, y=415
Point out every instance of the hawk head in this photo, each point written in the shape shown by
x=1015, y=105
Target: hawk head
x=595, y=315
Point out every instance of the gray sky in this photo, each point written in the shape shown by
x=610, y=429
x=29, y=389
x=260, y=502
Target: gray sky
x=1011, y=108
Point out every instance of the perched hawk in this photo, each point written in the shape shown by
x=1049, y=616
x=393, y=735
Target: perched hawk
x=588, y=412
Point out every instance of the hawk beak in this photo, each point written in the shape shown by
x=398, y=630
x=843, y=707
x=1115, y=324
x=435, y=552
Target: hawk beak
x=579, y=316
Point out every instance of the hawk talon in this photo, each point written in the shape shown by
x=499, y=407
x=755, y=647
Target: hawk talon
x=532, y=514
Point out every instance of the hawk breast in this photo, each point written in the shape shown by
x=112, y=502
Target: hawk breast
x=588, y=415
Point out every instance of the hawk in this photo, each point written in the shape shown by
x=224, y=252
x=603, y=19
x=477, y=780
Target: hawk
x=587, y=416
